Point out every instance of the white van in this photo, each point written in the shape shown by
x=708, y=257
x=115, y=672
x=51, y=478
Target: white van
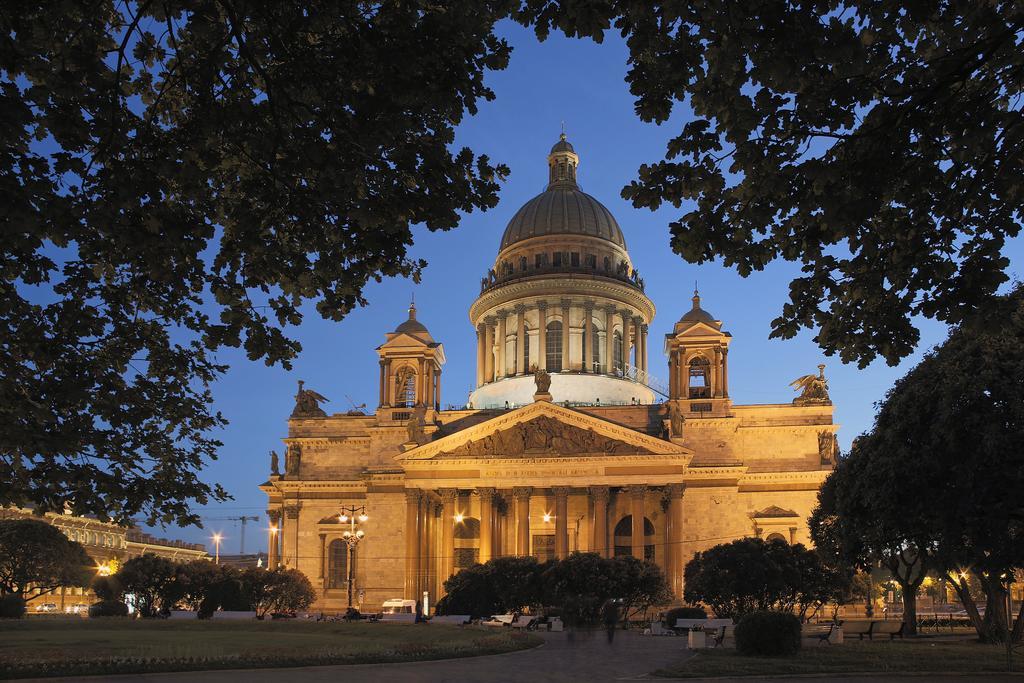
x=401, y=611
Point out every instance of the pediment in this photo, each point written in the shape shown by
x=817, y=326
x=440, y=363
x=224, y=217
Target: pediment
x=700, y=329
x=774, y=511
x=543, y=430
x=403, y=339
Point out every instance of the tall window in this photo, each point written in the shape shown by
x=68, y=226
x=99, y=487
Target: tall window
x=700, y=378
x=617, y=350
x=624, y=538
x=337, y=564
x=522, y=264
x=525, y=367
x=405, y=388
x=553, y=351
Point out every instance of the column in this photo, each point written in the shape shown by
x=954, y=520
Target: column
x=500, y=344
x=481, y=341
x=292, y=512
x=437, y=389
x=609, y=340
x=323, y=553
x=561, y=494
x=542, y=335
x=383, y=385
x=643, y=348
x=522, y=499
x=599, y=494
x=674, y=547
x=412, y=543
x=624, y=316
x=428, y=381
x=486, y=523
x=274, y=516
x=448, y=498
x=636, y=500
x=725, y=372
x=684, y=375
x=489, y=348
x=565, y=335
x=425, y=514
x=636, y=341
x=718, y=373
x=520, y=364
x=389, y=384
x=588, y=336
x=421, y=382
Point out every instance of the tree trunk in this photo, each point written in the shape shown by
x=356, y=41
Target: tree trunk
x=1018, y=625
x=963, y=591
x=910, y=609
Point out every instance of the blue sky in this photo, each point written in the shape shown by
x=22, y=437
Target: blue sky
x=582, y=84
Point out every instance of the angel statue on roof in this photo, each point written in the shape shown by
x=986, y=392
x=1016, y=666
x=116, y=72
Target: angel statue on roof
x=813, y=388
x=307, y=403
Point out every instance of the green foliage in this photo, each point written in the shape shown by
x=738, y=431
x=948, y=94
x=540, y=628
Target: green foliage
x=107, y=588
x=152, y=580
x=34, y=554
x=277, y=590
x=578, y=586
x=942, y=468
x=208, y=171
x=875, y=143
x=768, y=634
x=677, y=613
x=750, y=574
x=12, y=606
x=108, y=608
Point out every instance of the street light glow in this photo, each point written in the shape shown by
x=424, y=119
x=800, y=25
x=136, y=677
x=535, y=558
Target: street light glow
x=547, y=517
x=459, y=517
x=363, y=517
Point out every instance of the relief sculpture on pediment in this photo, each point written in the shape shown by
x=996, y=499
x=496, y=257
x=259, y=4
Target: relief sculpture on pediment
x=544, y=436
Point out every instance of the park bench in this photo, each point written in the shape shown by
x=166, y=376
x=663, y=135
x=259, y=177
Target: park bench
x=524, y=622
x=891, y=628
x=718, y=626
x=821, y=631
x=457, y=619
x=858, y=628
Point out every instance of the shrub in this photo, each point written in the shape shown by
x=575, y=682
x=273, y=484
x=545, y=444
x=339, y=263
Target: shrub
x=12, y=607
x=677, y=613
x=108, y=608
x=768, y=634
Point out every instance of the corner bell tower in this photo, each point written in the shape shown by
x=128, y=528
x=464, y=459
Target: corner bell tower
x=410, y=372
x=698, y=362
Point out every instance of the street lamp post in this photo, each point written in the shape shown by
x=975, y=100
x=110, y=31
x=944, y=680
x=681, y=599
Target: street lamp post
x=216, y=544
x=352, y=515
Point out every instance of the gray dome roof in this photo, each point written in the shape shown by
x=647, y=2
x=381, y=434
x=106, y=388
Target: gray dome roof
x=562, y=145
x=695, y=315
x=412, y=325
x=562, y=210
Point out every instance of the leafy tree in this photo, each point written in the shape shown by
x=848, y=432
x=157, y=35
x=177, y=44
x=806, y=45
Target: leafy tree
x=860, y=520
x=753, y=575
x=108, y=588
x=878, y=144
x=277, y=590
x=37, y=556
x=470, y=591
x=639, y=585
x=948, y=435
x=183, y=176
x=580, y=585
x=152, y=580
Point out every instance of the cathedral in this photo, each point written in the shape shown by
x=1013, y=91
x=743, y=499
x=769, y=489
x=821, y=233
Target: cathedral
x=566, y=444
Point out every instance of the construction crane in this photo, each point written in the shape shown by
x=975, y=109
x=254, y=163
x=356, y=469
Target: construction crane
x=243, y=519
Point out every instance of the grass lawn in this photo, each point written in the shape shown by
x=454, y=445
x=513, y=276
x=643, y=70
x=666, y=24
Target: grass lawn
x=60, y=647
x=851, y=657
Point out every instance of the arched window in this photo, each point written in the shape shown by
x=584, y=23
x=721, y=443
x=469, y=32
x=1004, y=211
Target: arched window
x=700, y=378
x=405, y=388
x=624, y=538
x=776, y=537
x=554, y=346
x=337, y=564
x=522, y=264
x=617, y=351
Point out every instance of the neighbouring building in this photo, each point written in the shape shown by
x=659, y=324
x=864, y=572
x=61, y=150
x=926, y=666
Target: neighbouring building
x=567, y=443
x=109, y=545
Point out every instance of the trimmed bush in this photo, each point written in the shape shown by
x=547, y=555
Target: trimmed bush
x=108, y=608
x=768, y=634
x=677, y=613
x=12, y=607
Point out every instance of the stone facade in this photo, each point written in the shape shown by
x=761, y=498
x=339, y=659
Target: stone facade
x=548, y=457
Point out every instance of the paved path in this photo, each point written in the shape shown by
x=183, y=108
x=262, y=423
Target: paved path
x=564, y=657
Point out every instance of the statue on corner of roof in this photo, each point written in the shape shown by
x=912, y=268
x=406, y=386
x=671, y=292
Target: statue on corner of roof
x=414, y=427
x=814, y=389
x=275, y=464
x=676, y=419
x=307, y=403
x=292, y=459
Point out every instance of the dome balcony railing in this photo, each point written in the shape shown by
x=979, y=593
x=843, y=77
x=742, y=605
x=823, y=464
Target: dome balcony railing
x=508, y=273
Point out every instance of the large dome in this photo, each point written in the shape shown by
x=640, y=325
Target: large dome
x=562, y=210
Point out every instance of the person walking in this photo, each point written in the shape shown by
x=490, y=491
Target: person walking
x=610, y=614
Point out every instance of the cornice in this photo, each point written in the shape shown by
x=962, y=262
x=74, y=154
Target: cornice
x=562, y=284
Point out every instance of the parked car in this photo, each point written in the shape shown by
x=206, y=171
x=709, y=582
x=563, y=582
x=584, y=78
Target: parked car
x=77, y=608
x=399, y=610
x=46, y=607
